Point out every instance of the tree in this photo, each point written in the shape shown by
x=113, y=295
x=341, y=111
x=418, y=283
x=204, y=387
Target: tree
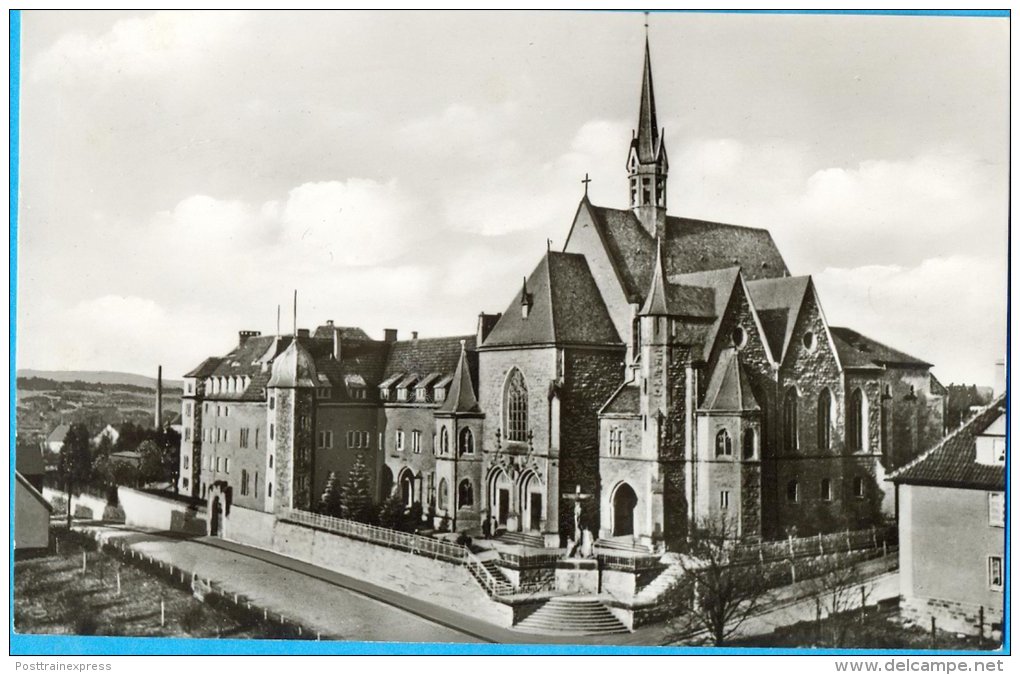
x=356, y=497
x=841, y=594
x=75, y=466
x=717, y=592
x=170, y=443
x=151, y=467
x=330, y=501
x=391, y=513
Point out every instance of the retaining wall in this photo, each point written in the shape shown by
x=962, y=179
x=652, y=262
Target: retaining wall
x=142, y=509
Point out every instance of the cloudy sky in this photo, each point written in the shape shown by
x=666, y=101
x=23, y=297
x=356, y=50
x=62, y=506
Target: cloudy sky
x=182, y=173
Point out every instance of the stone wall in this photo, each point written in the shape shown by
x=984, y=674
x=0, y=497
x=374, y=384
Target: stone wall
x=142, y=509
x=226, y=420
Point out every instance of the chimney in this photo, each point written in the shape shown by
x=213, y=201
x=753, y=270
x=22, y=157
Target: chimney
x=159, y=398
x=303, y=332
x=390, y=335
x=414, y=335
x=336, y=342
x=486, y=322
x=243, y=335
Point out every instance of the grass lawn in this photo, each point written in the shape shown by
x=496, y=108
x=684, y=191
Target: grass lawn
x=53, y=596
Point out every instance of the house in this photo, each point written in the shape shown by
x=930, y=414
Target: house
x=671, y=369
x=108, y=432
x=952, y=516
x=29, y=463
x=31, y=517
x=55, y=441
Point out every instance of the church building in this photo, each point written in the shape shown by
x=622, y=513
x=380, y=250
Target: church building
x=663, y=371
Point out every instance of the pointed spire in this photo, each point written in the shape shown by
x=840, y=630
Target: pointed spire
x=656, y=304
x=648, y=126
x=461, y=398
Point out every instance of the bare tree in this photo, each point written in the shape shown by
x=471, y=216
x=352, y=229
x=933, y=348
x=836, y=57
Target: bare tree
x=841, y=594
x=717, y=591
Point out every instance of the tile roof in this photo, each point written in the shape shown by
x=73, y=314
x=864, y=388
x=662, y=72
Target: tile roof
x=566, y=307
x=777, y=303
x=952, y=463
x=729, y=389
x=625, y=401
x=858, y=351
x=461, y=397
x=205, y=368
x=346, y=332
x=426, y=355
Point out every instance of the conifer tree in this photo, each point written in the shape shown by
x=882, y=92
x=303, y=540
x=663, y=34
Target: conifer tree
x=330, y=501
x=75, y=468
x=356, y=497
x=391, y=513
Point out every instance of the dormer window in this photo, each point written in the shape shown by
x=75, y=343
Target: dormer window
x=405, y=388
x=386, y=386
x=325, y=392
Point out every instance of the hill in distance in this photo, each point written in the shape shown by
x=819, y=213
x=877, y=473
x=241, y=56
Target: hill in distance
x=99, y=377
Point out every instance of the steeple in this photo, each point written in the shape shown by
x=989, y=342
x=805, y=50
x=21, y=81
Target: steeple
x=657, y=304
x=461, y=398
x=647, y=164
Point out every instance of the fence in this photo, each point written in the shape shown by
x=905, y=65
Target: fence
x=402, y=541
x=493, y=586
x=628, y=563
x=820, y=545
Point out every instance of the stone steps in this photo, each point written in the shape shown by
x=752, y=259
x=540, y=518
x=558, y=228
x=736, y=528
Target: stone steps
x=572, y=616
x=622, y=544
x=495, y=570
x=659, y=584
x=521, y=539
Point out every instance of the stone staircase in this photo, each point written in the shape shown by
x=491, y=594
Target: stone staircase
x=572, y=615
x=621, y=544
x=521, y=539
x=659, y=584
x=495, y=570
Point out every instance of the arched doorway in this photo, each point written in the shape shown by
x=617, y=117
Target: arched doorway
x=407, y=488
x=215, y=517
x=500, y=490
x=385, y=482
x=624, y=502
x=531, y=503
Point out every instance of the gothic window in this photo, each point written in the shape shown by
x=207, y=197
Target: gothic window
x=792, y=492
x=444, y=441
x=826, y=490
x=443, y=493
x=467, y=442
x=516, y=406
x=465, y=494
x=824, y=419
x=749, y=443
x=855, y=420
x=790, y=419
x=723, y=444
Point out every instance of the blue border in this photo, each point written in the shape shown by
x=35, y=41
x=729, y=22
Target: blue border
x=47, y=645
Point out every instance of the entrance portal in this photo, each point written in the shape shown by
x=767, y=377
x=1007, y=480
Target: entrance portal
x=536, y=512
x=503, y=498
x=624, y=501
x=215, y=517
x=407, y=488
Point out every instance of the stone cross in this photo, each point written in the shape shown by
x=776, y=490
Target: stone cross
x=577, y=498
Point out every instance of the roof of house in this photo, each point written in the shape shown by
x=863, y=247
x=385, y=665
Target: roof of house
x=729, y=389
x=566, y=307
x=295, y=367
x=777, y=303
x=205, y=368
x=858, y=351
x=23, y=482
x=625, y=401
x=346, y=332
x=953, y=463
x=29, y=459
x=58, y=434
x=461, y=397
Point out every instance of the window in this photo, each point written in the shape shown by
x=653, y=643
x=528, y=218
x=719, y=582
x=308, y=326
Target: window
x=855, y=420
x=516, y=406
x=304, y=422
x=790, y=419
x=400, y=441
x=325, y=439
x=326, y=392
x=187, y=434
x=416, y=442
x=858, y=487
x=723, y=444
x=382, y=441
x=187, y=408
x=226, y=465
x=358, y=393
x=206, y=408
x=218, y=463
x=272, y=431
x=272, y=403
x=995, y=572
x=810, y=341
x=226, y=411
x=218, y=435
x=792, y=492
x=996, y=509
x=444, y=441
x=355, y=439
x=444, y=496
x=269, y=490
x=615, y=442
x=226, y=435
x=270, y=461
x=184, y=461
x=244, y=482
x=749, y=442
x=256, y=437
x=255, y=483
x=243, y=440
x=465, y=494
x=185, y=483
x=824, y=419
x=467, y=442
x=826, y=490
x=191, y=387
x=724, y=499
x=739, y=337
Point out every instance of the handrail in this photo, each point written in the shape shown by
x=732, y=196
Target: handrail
x=492, y=585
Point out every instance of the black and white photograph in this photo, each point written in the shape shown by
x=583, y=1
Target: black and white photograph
x=509, y=330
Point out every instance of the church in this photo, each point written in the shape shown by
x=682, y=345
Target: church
x=661, y=372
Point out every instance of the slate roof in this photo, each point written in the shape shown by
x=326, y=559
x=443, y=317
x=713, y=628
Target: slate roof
x=858, y=351
x=426, y=355
x=566, y=307
x=646, y=140
x=690, y=246
x=730, y=389
x=777, y=303
x=461, y=397
x=625, y=401
x=952, y=462
x=205, y=368
x=295, y=367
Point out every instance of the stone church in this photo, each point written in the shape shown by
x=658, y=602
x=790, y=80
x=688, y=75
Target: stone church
x=661, y=371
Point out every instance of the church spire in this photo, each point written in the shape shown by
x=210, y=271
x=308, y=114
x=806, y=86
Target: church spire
x=647, y=164
x=657, y=304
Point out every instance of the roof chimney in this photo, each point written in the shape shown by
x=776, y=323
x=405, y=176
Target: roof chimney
x=336, y=342
x=486, y=322
x=414, y=335
x=243, y=335
x=303, y=332
x=390, y=335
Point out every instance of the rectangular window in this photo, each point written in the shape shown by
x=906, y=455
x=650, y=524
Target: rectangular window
x=350, y=440
x=272, y=403
x=243, y=440
x=187, y=434
x=400, y=441
x=256, y=484
x=191, y=388
x=219, y=463
x=256, y=437
x=858, y=488
x=272, y=433
x=185, y=483
x=226, y=411
x=226, y=435
x=724, y=499
x=187, y=410
x=996, y=509
x=325, y=439
x=382, y=441
x=206, y=408
x=995, y=572
x=244, y=482
x=826, y=491
x=366, y=439
x=226, y=465
x=184, y=462
x=416, y=441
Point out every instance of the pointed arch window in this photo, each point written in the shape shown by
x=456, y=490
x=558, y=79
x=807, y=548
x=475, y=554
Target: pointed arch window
x=749, y=442
x=790, y=419
x=467, y=442
x=444, y=493
x=516, y=406
x=855, y=420
x=465, y=494
x=824, y=420
x=723, y=444
x=444, y=441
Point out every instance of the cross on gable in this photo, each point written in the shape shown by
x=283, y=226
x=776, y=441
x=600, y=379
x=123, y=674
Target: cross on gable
x=586, y=181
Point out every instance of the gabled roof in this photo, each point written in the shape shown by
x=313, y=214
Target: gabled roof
x=777, y=303
x=566, y=307
x=858, y=351
x=29, y=460
x=461, y=397
x=729, y=389
x=205, y=368
x=952, y=463
x=426, y=355
x=346, y=332
x=23, y=482
x=713, y=289
x=58, y=434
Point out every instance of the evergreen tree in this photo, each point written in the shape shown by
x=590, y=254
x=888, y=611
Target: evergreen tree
x=391, y=513
x=75, y=467
x=356, y=497
x=170, y=445
x=329, y=503
x=151, y=468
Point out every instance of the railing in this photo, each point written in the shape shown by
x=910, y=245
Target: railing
x=626, y=563
x=529, y=560
x=493, y=586
x=819, y=545
x=403, y=541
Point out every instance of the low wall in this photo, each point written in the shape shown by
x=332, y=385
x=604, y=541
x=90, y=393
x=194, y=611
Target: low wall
x=143, y=509
x=426, y=579
x=82, y=506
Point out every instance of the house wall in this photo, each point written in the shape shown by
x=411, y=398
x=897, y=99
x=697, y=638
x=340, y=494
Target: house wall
x=339, y=459
x=410, y=418
x=944, y=560
x=226, y=419
x=31, y=520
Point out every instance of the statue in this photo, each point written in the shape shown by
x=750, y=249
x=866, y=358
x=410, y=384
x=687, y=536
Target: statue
x=575, y=546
